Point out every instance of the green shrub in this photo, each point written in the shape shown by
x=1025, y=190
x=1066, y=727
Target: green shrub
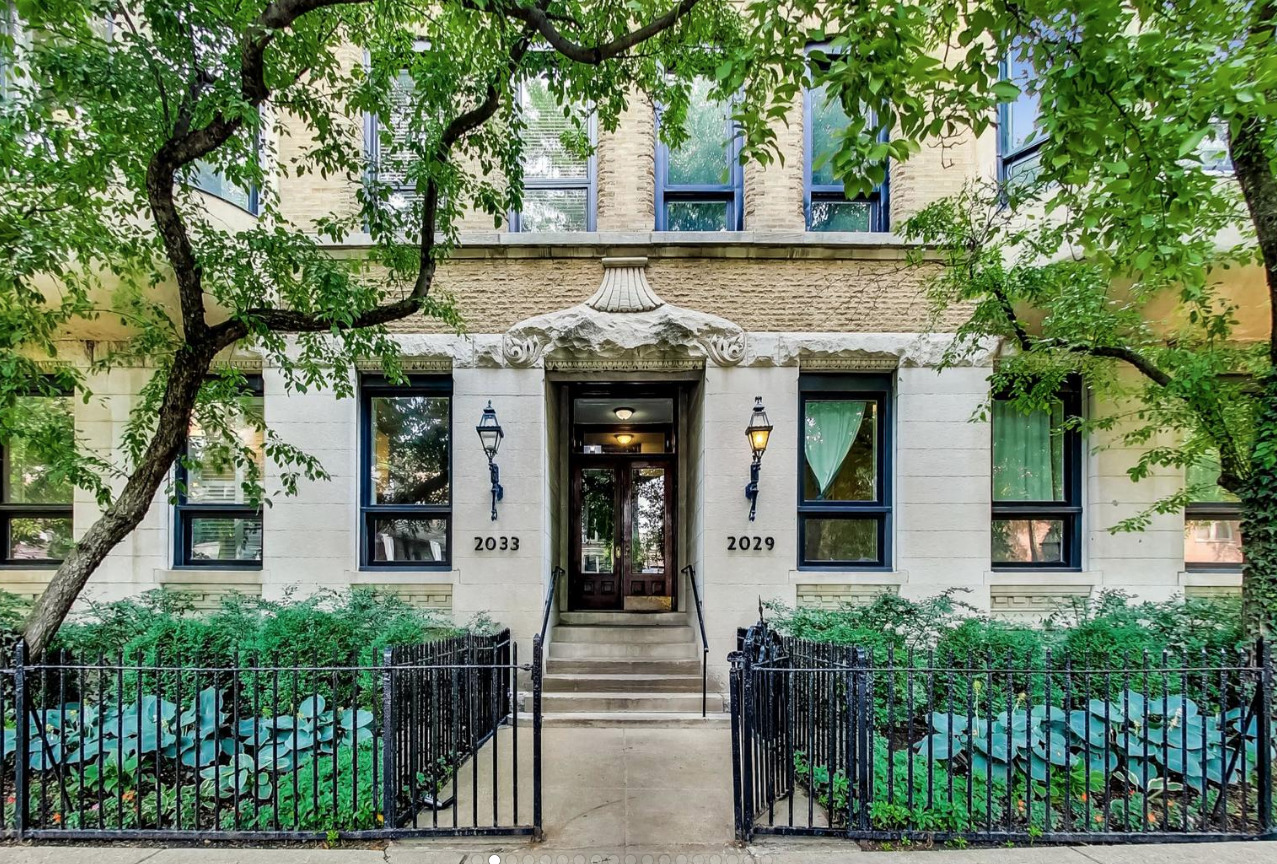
x=350, y=628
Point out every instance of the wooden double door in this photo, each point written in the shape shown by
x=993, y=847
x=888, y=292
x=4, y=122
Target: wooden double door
x=622, y=533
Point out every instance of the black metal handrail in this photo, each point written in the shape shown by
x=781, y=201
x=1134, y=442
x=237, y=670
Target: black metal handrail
x=700, y=619
x=549, y=600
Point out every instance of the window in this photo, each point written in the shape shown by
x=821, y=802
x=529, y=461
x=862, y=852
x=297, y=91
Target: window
x=216, y=523
x=209, y=179
x=1212, y=522
x=1037, y=485
x=700, y=186
x=35, y=501
x=406, y=485
x=1020, y=134
x=387, y=140
x=826, y=202
x=558, y=185
x=844, y=492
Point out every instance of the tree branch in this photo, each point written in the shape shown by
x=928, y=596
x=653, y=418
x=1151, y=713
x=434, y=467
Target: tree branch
x=538, y=18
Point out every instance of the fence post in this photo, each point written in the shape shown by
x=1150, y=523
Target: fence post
x=864, y=735
x=22, y=743
x=537, y=652
x=1264, y=737
x=747, y=736
x=389, y=773
x=738, y=793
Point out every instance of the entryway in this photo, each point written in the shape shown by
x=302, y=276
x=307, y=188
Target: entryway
x=623, y=519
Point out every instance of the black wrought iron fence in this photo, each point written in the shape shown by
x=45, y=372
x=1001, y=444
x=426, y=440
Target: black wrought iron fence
x=829, y=740
x=265, y=749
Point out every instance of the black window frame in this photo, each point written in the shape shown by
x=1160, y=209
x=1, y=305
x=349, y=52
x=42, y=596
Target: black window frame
x=879, y=199
x=10, y=511
x=1069, y=512
x=876, y=387
x=732, y=193
x=1017, y=161
x=371, y=386
x=590, y=183
x=185, y=513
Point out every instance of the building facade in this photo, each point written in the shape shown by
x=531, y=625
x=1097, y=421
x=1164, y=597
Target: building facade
x=622, y=327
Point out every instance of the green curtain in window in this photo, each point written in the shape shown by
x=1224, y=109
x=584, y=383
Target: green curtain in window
x=831, y=429
x=1028, y=461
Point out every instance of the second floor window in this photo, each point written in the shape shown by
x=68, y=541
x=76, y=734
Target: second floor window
x=35, y=501
x=558, y=183
x=700, y=185
x=844, y=510
x=1212, y=522
x=406, y=484
x=1019, y=130
x=217, y=525
x=827, y=206
x=1037, y=485
x=207, y=178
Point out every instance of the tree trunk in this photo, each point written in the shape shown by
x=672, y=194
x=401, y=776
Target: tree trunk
x=1259, y=521
x=185, y=378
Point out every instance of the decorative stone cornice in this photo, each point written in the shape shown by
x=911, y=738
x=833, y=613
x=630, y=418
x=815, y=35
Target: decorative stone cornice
x=624, y=322
x=408, y=364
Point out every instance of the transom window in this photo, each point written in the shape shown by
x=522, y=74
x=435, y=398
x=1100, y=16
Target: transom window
x=827, y=206
x=217, y=525
x=406, y=485
x=1020, y=133
x=844, y=494
x=1037, y=485
x=1212, y=522
x=558, y=184
x=700, y=185
x=35, y=500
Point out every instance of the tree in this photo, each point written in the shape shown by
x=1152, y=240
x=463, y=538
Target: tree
x=1136, y=98
x=111, y=108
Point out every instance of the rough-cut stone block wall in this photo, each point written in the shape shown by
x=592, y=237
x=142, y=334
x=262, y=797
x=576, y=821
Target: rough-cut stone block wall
x=759, y=294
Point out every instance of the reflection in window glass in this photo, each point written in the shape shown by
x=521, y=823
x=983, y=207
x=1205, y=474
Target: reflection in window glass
x=226, y=538
x=704, y=158
x=1212, y=521
x=841, y=216
x=647, y=529
x=216, y=183
x=696, y=216
x=828, y=120
x=1021, y=118
x=214, y=477
x=836, y=541
x=556, y=165
x=39, y=538
x=35, y=523
x=598, y=520
x=30, y=480
x=407, y=540
x=1028, y=541
x=410, y=449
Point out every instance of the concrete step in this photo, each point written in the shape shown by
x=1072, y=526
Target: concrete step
x=644, y=719
x=627, y=633
x=590, y=681
x=679, y=703
x=625, y=619
x=625, y=651
x=620, y=666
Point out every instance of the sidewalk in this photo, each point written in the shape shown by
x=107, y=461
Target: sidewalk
x=786, y=852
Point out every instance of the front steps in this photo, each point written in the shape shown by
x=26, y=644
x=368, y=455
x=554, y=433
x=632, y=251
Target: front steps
x=625, y=669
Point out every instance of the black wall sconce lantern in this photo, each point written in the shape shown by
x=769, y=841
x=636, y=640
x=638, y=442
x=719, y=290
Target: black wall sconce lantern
x=490, y=434
x=758, y=431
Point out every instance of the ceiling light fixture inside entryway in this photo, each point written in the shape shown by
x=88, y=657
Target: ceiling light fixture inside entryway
x=623, y=413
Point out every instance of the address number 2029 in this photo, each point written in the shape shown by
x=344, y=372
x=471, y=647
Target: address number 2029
x=746, y=543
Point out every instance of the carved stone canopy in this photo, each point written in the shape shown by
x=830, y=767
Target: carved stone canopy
x=624, y=319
